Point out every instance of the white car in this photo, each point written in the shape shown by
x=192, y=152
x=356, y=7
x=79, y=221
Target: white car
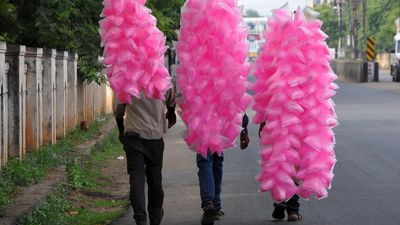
x=395, y=66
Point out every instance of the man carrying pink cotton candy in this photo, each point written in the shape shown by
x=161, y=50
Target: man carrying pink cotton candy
x=212, y=76
x=141, y=133
x=293, y=100
x=210, y=179
x=292, y=206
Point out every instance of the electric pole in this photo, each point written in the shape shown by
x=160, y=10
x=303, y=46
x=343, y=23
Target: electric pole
x=364, y=5
x=351, y=30
x=355, y=28
x=340, y=12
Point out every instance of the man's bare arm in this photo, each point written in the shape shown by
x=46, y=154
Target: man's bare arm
x=170, y=102
x=119, y=118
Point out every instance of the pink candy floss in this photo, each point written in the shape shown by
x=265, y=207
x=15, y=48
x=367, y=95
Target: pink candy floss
x=133, y=50
x=212, y=74
x=293, y=95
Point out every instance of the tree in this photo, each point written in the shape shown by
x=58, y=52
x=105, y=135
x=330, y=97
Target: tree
x=380, y=17
x=381, y=22
x=72, y=25
x=65, y=25
x=168, y=16
x=331, y=24
x=252, y=13
x=7, y=21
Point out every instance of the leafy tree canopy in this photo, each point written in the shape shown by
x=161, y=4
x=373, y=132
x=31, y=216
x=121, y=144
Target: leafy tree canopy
x=252, y=13
x=72, y=25
x=380, y=22
x=331, y=24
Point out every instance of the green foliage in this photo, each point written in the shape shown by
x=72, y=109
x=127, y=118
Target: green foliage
x=76, y=25
x=86, y=217
x=380, y=22
x=168, y=16
x=29, y=171
x=331, y=24
x=72, y=25
x=110, y=148
x=64, y=24
x=81, y=173
x=57, y=210
x=34, y=167
x=7, y=21
x=252, y=13
x=78, y=175
x=51, y=212
x=6, y=189
x=81, y=177
x=387, y=11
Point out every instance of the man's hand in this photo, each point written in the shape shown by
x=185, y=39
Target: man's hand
x=244, y=139
x=121, y=137
x=171, y=116
x=121, y=128
x=262, y=125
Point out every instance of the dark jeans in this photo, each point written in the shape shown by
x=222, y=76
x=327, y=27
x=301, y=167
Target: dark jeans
x=210, y=179
x=293, y=205
x=145, y=160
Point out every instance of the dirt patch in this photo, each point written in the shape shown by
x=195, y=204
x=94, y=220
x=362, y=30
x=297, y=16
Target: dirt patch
x=116, y=170
x=33, y=196
x=114, y=174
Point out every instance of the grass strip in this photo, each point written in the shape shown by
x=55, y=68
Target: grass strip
x=69, y=205
x=18, y=173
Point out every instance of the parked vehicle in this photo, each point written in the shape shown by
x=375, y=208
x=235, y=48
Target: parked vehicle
x=395, y=65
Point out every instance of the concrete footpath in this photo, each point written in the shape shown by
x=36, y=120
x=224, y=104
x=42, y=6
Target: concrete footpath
x=364, y=190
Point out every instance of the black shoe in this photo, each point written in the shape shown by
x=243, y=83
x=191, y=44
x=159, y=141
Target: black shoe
x=160, y=219
x=279, y=211
x=208, y=216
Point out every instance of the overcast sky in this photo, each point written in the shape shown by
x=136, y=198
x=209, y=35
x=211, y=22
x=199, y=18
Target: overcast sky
x=264, y=6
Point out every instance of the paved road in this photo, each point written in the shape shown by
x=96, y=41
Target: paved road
x=365, y=189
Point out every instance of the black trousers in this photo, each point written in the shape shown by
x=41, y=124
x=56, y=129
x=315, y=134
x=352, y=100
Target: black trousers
x=145, y=160
x=293, y=205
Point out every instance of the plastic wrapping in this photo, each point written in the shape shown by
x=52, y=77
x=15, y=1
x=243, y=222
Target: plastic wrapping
x=133, y=50
x=293, y=96
x=212, y=73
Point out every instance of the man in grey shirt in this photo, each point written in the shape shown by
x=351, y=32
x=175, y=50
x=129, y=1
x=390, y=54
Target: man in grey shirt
x=141, y=133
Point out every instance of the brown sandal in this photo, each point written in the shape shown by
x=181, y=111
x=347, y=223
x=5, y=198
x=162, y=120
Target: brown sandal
x=295, y=216
x=219, y=215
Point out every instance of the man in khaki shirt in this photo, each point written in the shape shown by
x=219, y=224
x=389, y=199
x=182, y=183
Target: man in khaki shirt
x=141, y=133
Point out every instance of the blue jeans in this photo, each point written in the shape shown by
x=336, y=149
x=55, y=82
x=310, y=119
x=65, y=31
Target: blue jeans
x=210, y=179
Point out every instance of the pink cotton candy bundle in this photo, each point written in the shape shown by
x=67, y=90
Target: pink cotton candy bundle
x=293, y=96
x=212, y=74
x=133, y=50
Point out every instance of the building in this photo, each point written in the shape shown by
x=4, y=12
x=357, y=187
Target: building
x=255, y=28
